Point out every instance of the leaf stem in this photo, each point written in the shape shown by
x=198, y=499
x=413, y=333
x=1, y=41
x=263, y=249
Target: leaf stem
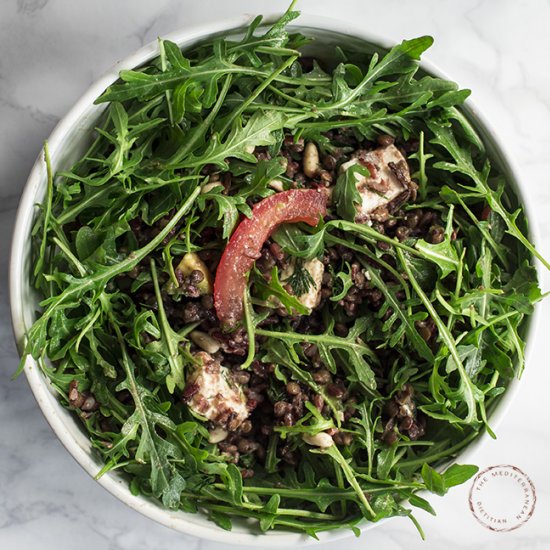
x=249, y=324
x=175, y=378
x=434, y=457
x=47, y=212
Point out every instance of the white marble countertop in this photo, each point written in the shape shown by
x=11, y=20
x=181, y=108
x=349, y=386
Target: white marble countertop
x=51, y=50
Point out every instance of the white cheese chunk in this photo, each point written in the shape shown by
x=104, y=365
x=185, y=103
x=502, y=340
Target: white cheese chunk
x=316, y=269
x=382, y=186
x=210, y=392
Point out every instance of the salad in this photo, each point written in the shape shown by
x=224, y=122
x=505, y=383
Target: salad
x=282, y=288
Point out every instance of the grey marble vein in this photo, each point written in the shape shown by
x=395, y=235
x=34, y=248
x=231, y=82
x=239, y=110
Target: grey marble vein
x=29, y=7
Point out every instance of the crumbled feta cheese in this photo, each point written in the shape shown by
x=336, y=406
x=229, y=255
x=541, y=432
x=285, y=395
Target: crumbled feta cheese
x=316, y=269
x=210, y=393
x=388, y=186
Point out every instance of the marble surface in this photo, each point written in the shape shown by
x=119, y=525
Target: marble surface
x=51, y=50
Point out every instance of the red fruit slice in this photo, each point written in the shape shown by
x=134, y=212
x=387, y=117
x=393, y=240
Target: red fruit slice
x=244, y=246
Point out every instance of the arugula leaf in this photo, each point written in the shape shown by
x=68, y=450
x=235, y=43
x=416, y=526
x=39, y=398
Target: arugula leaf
x=45, y=216
x=170, y=339
x=346, y=195
x=463, y=163
x=274, y=294
x=457, y=474
x=86, y=242
x=257, y=131
x=400, y=59
x=454, y=475
x=336, y=455
x=357, y=351
x=423, y=504
x=442, y=254
x=346, y=282
x=470, y=356
x=229, y=207
x=77, y=287
x=407, y=322
x=152, y=449
x=286, y=356
x=262, y=174
x=433, y=480
x=467, y=390
x=296, y=243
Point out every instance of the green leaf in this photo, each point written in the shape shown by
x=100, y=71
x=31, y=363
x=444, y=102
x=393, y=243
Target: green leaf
x=386, y=460
x=423, y=504
x=442, y=254
x=524, y=283
x=450, y=98
x=349, y=474
x=276, y=296
x=86, y=242
x=171, y=341
x=285, y=356
x=358, y=354
x=400, y=59
x=467, y=390
x=175, y=56
x=472, y=359
x=257, y=131
x=228, y=206
x=345, y=281
x=221, y=520
x=263, y=173
x=278, y=30
x=172, y=493
x=418, y=343
x=234, y=484
x=272, y=505
x=384, y=506
x=457, y=474
x=462, y=162
x=346, y=195
x=454, y=475
x=186, y=98
x=433, y=480
x=299, y=244
x=366, y=424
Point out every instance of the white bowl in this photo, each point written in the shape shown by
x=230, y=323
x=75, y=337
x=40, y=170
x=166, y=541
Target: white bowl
x=65, y=145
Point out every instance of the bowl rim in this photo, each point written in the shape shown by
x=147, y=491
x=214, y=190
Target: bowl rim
x=39, y=384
